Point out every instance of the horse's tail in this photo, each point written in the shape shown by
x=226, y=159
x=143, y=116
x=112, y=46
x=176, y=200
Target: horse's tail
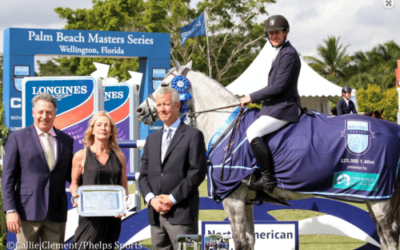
x=395, y=200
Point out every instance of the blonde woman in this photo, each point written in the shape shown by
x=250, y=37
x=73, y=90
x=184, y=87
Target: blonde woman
x=101, y=162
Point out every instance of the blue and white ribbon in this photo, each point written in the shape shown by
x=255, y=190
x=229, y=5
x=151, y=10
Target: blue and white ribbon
x=182, y=84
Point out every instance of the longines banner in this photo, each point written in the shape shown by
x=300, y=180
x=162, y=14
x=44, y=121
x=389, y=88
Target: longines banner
x=78, y=98
x=119, y=102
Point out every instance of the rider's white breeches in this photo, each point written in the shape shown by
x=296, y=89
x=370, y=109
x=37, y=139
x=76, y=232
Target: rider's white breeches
x=264, y=125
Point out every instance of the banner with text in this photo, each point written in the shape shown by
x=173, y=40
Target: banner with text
x=78, y=98
x=281, y=235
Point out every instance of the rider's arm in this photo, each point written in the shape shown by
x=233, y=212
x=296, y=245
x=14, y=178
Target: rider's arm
x=354, y=109
x=339, y=107
x=286, y=68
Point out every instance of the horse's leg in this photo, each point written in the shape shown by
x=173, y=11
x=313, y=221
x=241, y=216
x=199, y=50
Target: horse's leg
x=387, y=226
x=234, y=207
x=378, y=227
x=249, y=226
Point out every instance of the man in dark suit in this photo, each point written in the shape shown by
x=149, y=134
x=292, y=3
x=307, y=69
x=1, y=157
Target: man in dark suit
x=281, y=100
x=173, y=166
x=36, y=167
x=345, y=105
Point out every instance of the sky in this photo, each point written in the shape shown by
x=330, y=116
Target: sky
x=361, y=24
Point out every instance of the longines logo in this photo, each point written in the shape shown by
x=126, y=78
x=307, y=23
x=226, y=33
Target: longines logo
x=60, y=92
x=60, y=97
x=113, y=95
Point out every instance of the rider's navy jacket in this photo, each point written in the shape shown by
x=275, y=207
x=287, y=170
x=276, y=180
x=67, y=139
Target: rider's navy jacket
x=343, y=109
x=281, y=98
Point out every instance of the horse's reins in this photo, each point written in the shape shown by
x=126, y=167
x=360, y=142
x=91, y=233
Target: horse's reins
x=231, y=143
x=196, y=114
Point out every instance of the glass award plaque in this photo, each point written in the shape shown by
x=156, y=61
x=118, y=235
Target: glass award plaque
x=101, y=200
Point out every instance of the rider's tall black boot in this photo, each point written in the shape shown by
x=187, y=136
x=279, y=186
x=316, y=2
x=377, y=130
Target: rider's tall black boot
x=263, y=157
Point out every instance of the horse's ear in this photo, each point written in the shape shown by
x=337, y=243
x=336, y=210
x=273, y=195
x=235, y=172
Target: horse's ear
x=176, y=64
x=189, y=64
x=381, y=112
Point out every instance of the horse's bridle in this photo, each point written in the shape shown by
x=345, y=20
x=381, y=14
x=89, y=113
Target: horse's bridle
x=184, y=72
x=148, y=106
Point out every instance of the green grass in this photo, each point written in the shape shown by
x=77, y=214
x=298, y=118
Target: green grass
x=307, y=242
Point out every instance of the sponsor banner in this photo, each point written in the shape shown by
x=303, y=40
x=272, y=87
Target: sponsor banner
x=281, y=235
x=78, y=98
x=159, y=73
x=88, y=42
x=77, y=132
x=118, y=102
x=355, y=180
x=21, y=70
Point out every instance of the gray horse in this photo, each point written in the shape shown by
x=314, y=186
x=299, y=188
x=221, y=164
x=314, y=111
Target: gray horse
x=210, y=94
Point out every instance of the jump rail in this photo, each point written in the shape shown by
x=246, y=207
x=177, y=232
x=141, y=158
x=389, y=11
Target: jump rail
x=139, y=144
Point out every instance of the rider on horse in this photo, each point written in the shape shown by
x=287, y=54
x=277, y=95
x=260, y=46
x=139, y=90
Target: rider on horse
x=345, y=105
x=281, y=100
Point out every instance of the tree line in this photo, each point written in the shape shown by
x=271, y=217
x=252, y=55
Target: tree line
x=372, y=73
x=235, y=35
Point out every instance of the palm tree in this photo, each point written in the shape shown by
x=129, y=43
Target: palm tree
x=373, y=67
x=334, y=58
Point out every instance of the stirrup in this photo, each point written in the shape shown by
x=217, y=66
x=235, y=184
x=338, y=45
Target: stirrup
x=269, y=190
x=264, y=182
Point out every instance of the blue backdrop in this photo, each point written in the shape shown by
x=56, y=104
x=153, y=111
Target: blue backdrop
x=21, y=45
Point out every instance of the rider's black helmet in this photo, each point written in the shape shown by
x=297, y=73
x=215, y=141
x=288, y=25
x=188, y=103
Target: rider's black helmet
x=276, y=22
x=346, y=89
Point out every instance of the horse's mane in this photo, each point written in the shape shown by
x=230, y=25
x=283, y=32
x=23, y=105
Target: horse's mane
x=221, y=88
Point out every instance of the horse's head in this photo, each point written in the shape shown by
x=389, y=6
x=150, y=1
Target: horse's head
x=375, y=114
x=147, y=110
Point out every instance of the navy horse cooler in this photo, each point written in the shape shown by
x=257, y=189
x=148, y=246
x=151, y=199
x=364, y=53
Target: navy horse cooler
x=353, y=157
